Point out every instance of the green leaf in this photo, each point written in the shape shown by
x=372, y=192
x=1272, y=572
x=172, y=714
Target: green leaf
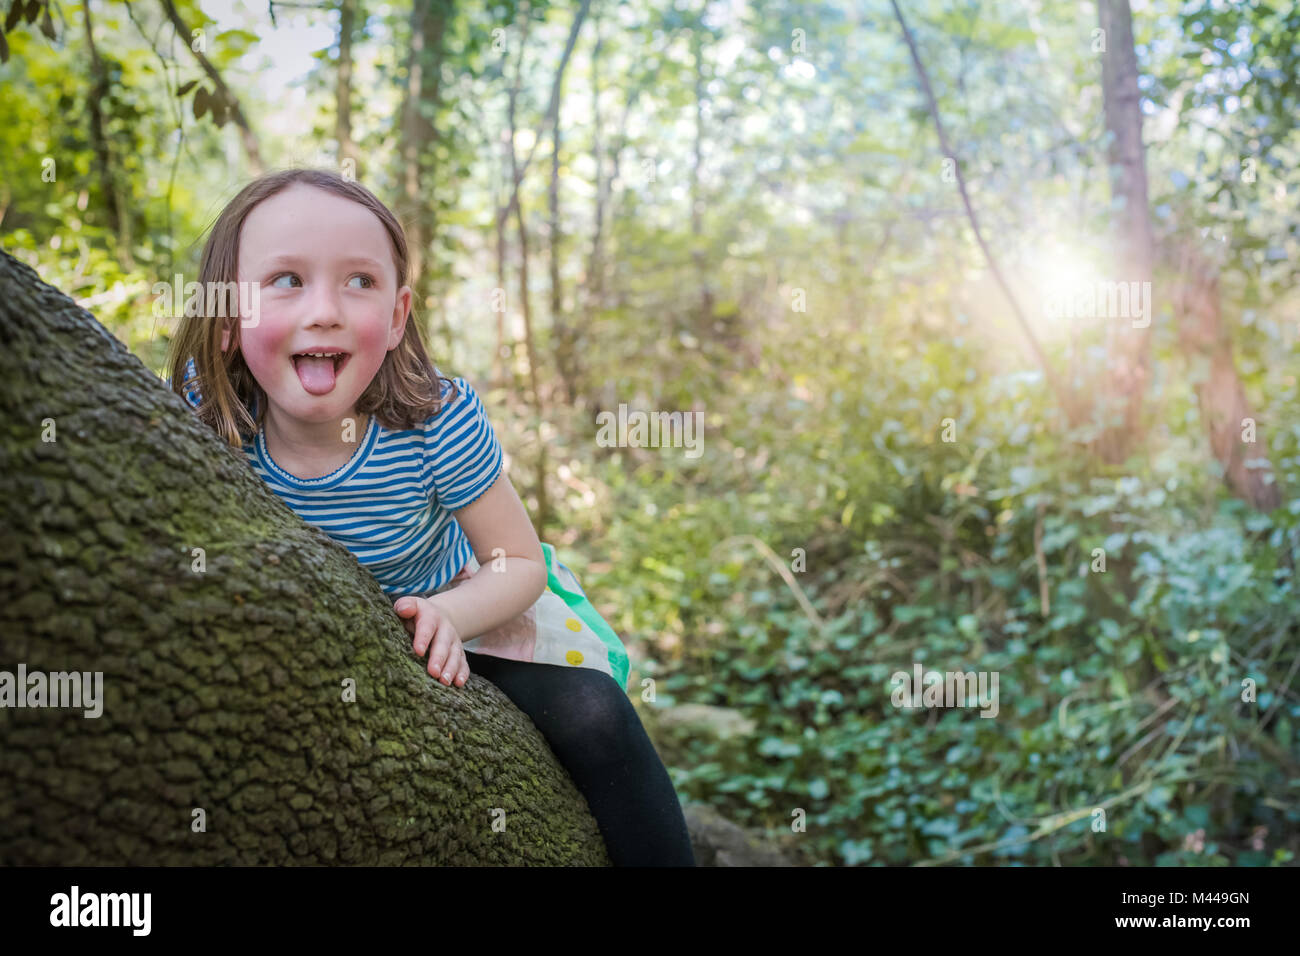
x=236, y=42
x=201, y=101
x=905, y=613
x=1197, y=815
x=776, y=747
x=1158, y=797
x=856, y=851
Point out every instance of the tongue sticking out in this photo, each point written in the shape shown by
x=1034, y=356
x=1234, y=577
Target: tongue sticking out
x=316, y=374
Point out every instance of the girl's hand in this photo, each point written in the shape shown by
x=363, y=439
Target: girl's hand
x=431, y=625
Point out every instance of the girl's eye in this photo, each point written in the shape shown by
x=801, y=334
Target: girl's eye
x=294, y=275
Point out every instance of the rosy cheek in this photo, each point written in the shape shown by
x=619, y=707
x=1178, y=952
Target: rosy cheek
x=263, y=348
x=372, y=338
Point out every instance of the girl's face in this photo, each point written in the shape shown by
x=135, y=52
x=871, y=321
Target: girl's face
x=327, y=283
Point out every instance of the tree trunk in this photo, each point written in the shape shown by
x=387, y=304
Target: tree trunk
x=1206, y=342
x=704, y=330
x=343, y=87
x=500, y=367
x=519, y=169
x=119, y=212
x=422, y=95
x=1130, y=347
x=552, y=110
x=593, y=285
x=600, y=398
x=223, y=683
x=560, y=328
x=525, y=308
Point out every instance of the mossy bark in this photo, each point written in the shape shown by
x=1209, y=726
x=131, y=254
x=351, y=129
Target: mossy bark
x=223, y=689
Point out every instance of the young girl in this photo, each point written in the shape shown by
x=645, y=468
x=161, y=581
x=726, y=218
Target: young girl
x=327, y=388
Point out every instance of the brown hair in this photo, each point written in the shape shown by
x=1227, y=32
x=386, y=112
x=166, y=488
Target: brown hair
x=405, y=391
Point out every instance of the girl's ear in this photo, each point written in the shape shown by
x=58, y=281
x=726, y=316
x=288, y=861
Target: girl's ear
x=401, y=312
x=225, y=338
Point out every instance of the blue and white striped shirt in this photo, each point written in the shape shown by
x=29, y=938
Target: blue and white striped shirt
x=391, y=504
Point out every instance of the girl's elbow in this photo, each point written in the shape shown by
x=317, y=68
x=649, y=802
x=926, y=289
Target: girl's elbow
x=540, y=579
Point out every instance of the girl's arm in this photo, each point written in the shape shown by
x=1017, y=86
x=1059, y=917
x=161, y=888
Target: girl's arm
x=495, y=520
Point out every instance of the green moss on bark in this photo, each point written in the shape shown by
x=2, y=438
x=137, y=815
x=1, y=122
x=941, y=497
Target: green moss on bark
x=222, y=690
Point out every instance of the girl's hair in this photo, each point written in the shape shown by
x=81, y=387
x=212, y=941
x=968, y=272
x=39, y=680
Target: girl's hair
x=404, y=393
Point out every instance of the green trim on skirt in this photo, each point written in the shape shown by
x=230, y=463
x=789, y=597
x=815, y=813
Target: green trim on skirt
x=565, y=584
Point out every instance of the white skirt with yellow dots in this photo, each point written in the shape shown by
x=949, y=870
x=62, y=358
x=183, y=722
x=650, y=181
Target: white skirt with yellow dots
x=560, y=628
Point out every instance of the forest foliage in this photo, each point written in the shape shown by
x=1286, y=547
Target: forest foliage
x=747, y=214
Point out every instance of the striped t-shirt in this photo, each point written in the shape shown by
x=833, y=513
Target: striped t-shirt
x=391, y=504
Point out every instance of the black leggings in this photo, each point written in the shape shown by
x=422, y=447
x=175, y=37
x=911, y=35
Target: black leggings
x=594, y=732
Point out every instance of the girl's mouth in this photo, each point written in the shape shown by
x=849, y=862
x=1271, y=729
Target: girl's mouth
x=318, y=373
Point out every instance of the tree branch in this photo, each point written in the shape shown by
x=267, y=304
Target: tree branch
x=1064, y=396
x=236, y=113
x=552, y=110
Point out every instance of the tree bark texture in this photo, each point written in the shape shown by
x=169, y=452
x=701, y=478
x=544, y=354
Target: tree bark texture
x=1122, y=104
x=1206, y=340
x=422, y=99
x=343, y=86
x=223, y=688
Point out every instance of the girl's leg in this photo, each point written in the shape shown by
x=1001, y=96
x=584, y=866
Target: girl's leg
x=594, y=731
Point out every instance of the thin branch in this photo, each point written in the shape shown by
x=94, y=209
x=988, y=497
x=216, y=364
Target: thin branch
x=552, y=110
x=1044, y=597
x=779, y=566
x=1046, y=826
x=1063, y=396
x=175, y=105
x=236, y=113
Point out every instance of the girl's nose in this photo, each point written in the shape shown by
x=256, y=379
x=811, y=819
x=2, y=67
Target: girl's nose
x=323, y=310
